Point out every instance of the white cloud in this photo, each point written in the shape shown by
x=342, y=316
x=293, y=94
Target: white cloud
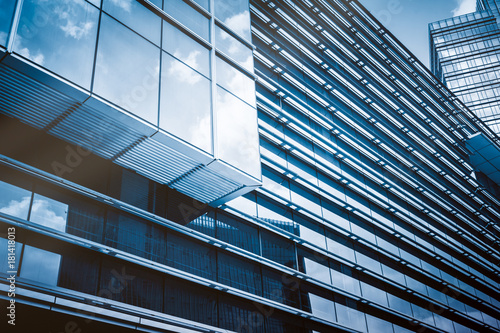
x=42, y=213
x=239, y=23
x=70, y=29
x=17, y=208
x=464, y=7
x=182, y=72
x=39, y=58
x=126, y=5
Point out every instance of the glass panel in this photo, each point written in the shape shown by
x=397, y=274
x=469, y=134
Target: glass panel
x=80, y=272
x=239, y=273
x=345, y=281
x=238, y=138
x=238, y=233
x=85, y=220
x=14, y=201
x=136, y=16
x=204, y=224
x=305, y=199
x=49, y=212
x=123, y=282
x=235, y=81
x=239, y=316
x=182, y=115
x=190, y=256
x=127, y=70
x=350, y=317
x=59, y=35
x=186, y=49
x=309, y=231
x=376, y=325
x=189, y=17
x=315, y=266
x=40, y=265
x=5, y=252
x=6, y=15
x=234, y=48
x=235, y=14
x=128, y=233
x=322, y=307
x=281, y=287
x=190, y=301
x=278, y=249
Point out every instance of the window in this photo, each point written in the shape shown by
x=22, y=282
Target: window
x=349, y=316
x=278, y=249
x=236, y=82
x=190, y=256
x=239, y=273
x=235, y=14
x=49, y=212
x=314, y=265
x=240, y=316
x=65, y=43
x=6, y=15
x=234, y=48
x=237, y=232
x=280, y=287
x=126, y=283
x=40, y=265
x=79, y=271
x=185, y=117
x=186, y=49
x=237, y=132
x=127, y=70
x=137, y=17
x=190, y=301
x=189, y=17
x=14, y=200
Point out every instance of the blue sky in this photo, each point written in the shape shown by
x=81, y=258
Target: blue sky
x=408, y=19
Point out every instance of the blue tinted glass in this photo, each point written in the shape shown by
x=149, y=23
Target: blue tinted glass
x=239, y=273
x=237, y=133
x=59, y=35
x=350, y=317
x=235, y=81
x=6, y=15
x=322, y=307
x=186, y=49
x=40, y=265
x=180, y=114
x=127, y=70
x=234, y=48
x=189, y=17
x=5, y=252
x=49, y=212
x=278, y=249
x=14, y=201
x=238, y=233
x=136, y=16
x=191, y=256
x=235, y=14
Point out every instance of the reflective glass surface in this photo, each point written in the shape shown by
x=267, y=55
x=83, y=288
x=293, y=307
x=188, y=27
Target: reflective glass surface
x=322, y=307
x=40, y=265
x=49, y=212
x=136, y=16
x=14, y=201
x=238, y=140
x=60, y=36
x=235, y=14
x=234, y=48
x=186, y=49
x=5, y=252
x=235, y=81
x=6, y=15
x=182, y=114
x=127, y=70
x=189, y=17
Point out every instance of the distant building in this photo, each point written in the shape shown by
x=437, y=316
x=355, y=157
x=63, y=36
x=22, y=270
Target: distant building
x=225, y=166
x=465, y=55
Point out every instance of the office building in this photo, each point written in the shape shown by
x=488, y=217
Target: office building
x=141, y=200
x=465, y=56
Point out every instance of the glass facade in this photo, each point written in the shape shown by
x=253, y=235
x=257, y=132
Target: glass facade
x=464, y=55
x=368, y=218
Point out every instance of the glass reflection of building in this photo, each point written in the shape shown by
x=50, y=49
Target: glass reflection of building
x=465, y=56
x=129, y=166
